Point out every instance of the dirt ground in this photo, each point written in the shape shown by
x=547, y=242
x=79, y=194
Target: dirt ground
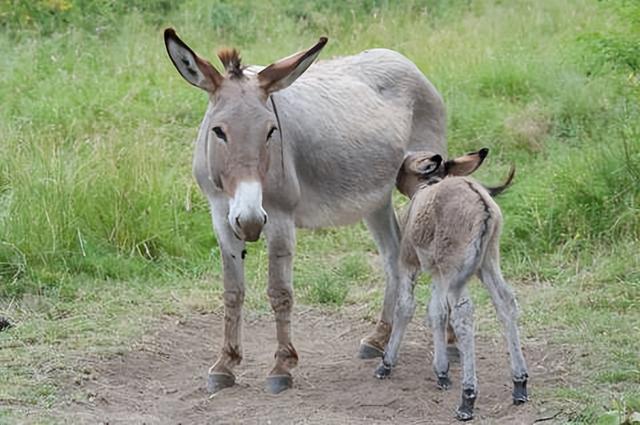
x=162, y=380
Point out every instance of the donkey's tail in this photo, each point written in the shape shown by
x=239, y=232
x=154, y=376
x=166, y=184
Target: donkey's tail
x=497, y=190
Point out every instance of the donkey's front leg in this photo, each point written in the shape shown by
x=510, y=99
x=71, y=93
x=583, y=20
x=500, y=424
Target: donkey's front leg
x=281, y=236
x=232, y=253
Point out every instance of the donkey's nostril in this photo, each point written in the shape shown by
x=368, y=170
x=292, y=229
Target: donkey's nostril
x=265, y=219
x=238, y=222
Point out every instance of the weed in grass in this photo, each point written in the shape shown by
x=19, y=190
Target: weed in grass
x=327, y=288
x=354, y=269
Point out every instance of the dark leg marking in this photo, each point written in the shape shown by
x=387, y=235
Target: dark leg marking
x=444, y=383
x=520, y=395
x=383, y=371
x=4, y=324
x=465, y=411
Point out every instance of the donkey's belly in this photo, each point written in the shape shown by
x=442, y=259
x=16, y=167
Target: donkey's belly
x=323, y=210
x=344, y=181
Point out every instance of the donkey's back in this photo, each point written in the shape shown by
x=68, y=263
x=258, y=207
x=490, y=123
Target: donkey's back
x=354, y=113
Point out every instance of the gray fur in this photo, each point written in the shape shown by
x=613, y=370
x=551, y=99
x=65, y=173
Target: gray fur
x=340, y=117
x=452, y=229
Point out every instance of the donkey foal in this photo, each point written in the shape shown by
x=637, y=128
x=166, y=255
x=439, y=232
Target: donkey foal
x=452, y=230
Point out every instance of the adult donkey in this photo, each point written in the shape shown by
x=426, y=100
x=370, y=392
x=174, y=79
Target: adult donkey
x=340, y=117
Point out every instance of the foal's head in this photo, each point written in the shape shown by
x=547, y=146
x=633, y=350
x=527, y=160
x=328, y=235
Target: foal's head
x=427, y=167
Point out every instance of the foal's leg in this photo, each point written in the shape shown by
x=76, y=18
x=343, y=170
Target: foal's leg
x=452, y=349
x=231, y=250
x=383, y=226
x=438, y=316
x=447, y=288
x=506, y=306
x=405, y=308
x=462, y=323
x=281, y=239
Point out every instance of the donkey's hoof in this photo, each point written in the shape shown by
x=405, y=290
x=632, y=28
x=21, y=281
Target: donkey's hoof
x=465, y=411
x=520, y=395
x=368, y=351
x=277, y=383
x=4, y=324
x=453, y=354
x=463, y=414
x=444, y=383
x=219, y=381
x=383, y=371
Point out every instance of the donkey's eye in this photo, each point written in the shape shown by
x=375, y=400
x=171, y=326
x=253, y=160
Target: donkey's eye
x=219, y=133
x=271, y=132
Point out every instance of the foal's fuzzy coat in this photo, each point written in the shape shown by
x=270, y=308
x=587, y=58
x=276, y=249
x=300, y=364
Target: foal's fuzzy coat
x=452, y=230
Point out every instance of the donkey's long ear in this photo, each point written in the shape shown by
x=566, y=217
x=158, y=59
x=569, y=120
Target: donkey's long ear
x=193, y=68
x=467, y=164
x=281, y=74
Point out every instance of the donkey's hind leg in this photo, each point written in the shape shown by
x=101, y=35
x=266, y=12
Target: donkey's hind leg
x=462, y=323
x=450, y=293
x=383, y=226
x=438, y=314
x=405, y=308
x=506, y=306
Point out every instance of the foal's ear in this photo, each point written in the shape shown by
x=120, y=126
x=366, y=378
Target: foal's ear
x=193, y=68
x=465, y=165
x=281, y=74
x=431, y=166
x=422, y=163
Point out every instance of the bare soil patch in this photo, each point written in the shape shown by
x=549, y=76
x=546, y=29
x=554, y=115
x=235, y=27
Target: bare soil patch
x=162, y=380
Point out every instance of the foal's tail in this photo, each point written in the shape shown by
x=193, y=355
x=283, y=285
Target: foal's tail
x=497, y=190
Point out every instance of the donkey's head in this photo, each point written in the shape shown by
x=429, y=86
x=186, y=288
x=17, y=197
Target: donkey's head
x=239, y=124
x=424, y=166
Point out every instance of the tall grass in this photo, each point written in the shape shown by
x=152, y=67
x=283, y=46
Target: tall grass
x=96, y=126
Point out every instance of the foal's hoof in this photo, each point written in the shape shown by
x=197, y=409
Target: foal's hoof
x=465, y=411
x=520, y=392
x=383, y=371
x=4, y=324
x=464, y=414
x=453, y=354
x=275, y=384
x=444, y=383
x=368, y=351
x=219, y=381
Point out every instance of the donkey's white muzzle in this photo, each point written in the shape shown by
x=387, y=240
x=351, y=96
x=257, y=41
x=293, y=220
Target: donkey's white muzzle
x=246, y=215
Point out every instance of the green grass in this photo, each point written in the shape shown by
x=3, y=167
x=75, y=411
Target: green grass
x=99, y=212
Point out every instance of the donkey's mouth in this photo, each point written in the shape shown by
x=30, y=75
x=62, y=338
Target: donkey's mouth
x=252, y=237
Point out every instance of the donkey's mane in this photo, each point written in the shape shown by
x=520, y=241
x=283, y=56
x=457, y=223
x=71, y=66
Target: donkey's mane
x=232, y=62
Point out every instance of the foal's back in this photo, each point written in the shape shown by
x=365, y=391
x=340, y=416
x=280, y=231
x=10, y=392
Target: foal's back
x=450, y=222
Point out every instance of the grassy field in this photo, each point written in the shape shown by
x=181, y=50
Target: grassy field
x=103, y=231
